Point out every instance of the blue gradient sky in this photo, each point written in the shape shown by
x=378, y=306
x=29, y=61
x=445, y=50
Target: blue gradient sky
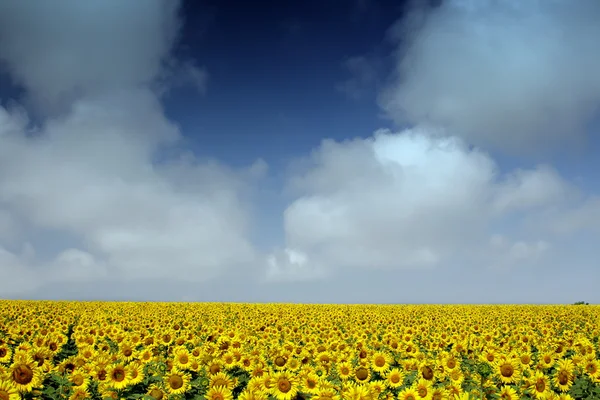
x=226, y=151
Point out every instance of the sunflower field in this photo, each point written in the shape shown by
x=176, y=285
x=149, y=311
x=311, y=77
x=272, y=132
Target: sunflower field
x=223, y=351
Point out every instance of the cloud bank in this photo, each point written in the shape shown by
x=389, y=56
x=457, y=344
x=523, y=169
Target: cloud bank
x=82, y=195
x=420, y=200
x=513, y=75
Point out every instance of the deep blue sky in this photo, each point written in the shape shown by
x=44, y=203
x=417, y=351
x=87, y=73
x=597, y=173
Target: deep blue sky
x=274, y=67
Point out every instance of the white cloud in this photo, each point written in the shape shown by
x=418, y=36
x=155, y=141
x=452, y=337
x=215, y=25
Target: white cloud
x=91, y=175
x=82, y=197
x=517, y=75
x=60, y=52
x=414, y=200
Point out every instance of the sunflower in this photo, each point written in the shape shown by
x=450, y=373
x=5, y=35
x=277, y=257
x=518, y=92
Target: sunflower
x=507, y=370
x=508, y=393
x=79, y=394
x=228, y=359
x=380, y=361
x=135, y=372
x=177, y=381
x=591, y=368
x=326, y=394
x=489, y=355
x=42, y=358
x=126, y=351
x=99, y=371
x=219, y=393
x=117, y=376
x=454, y=390
x=539, y=385
x=222, y=379
x=344, y=370
x=8, y=391
x=451, y=362
x=456, y=376
x=253, y=395
x=377, y=387
x=293, y=364
x=423, y=388
x=394, y=378
x=563, y=377
x=23, y=374
x=215, y=366
x=439, y=393
x=181, y=358
x=565, y=396
x=546, y=361
x=5, y=353
x=525, y=359
x=362, y=374
x=309, y=383
x=79, y=380
x=357, y=391
x=285, y=386
x=155, y=392
x=408, y=394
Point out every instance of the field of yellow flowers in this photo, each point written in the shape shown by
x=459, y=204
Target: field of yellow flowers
x=222, y=351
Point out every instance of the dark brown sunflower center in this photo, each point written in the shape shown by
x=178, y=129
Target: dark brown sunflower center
x=507, y=370
x=39, y=360
x=22, y=374
x=157, y=394
x=540, y=386
x=118, y=374
x=280, y=361
x=77, y=380
x=563, y=377
x=395, y=378
x=422, y=392
x=4, y=395
x=183, y=359
x=591, y=368
x=380, y=361
x=215, y=369
x=451, y=363
x=101, y=375
x=127, y=352
x=311, y=384
x=427, y=373
x=284, y=385
x=362, y=373
x=3, y=352
x=547, y=359
x=175, y=381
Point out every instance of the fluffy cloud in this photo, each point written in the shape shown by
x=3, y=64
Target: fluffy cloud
x=97, y=190
x=417, y=200
x=516, y=75
x=91, y=175
x=60, y=52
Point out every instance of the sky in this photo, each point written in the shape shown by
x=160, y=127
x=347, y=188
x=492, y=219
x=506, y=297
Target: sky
x=355, y=151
